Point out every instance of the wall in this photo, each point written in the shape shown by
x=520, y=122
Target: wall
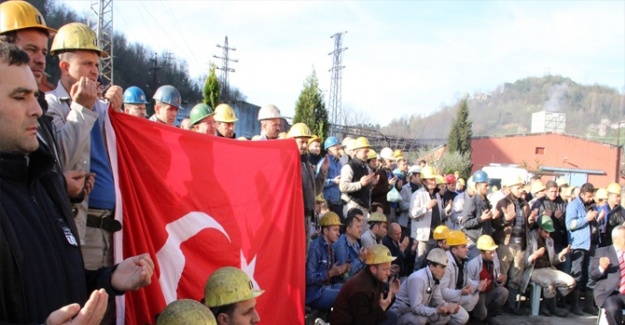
x=558, y=150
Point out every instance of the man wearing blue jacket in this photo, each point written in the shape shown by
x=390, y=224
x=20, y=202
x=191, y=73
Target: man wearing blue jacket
x=583, y=235
x=331, y=190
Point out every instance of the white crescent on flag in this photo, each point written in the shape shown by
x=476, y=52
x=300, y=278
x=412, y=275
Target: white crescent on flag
x=170, y=258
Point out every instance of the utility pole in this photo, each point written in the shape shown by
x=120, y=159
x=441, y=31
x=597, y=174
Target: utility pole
x=102, y=25
x=169, y=58
x=225, y=69
x=335, y=84
x=154, y=71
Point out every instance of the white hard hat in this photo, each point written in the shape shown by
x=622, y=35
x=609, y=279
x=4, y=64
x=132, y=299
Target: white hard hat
x=387, y=154
x=268, y=111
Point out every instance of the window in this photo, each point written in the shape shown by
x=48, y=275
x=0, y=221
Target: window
x=540, y=150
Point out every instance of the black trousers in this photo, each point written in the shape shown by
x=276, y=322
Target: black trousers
x=613, y=307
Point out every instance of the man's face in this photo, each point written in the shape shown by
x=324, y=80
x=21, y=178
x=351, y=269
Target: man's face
x=451, y=186
x=362, y=154
x=35, y=43
x=185, y=124
x=381, y=271
x=206, y=126
x=334, y=151
x=482, y=189
x=244, y=314
x=614, y=199
x=459, y=186
x=373, y=164
x=356, y=228
x=430, y=183
x=540, y=194
x=166, y=113
x=543, y=233
x=271, y=128
x=315, y=148
x=587, y=197
x=395, y=233
x=460, y=251
x=437, y=271
x=380, y=230
x=402, y=165
x=81, y=64
x=19, y=109
x=488, y=256
x=138, y=110
x=516, y=190
x=332, y=233
x=552, y=193
x=226, y=129
x=302, y=145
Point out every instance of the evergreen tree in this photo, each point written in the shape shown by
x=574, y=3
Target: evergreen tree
x=459, y=139
x=211, y=89
x=310, y=108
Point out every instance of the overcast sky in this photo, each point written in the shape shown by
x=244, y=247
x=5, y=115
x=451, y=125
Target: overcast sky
x=403, y=57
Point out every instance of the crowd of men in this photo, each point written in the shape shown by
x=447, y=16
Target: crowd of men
x=387, y=242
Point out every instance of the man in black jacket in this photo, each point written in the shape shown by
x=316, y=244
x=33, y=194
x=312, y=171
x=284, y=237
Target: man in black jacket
x=42, y=278
x=607, y=270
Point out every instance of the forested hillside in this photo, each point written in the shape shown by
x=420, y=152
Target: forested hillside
x=591, y=110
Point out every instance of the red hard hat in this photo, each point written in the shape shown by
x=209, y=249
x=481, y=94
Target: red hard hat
x=450, y=179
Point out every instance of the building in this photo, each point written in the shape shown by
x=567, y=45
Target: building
x=580, y=160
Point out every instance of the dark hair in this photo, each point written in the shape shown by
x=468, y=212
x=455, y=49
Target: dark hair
x=587, y=188
x=225, y=309
x=375, y=206
x=351, y=215
x=551, y=184
x=12, y=55
x=9, y=37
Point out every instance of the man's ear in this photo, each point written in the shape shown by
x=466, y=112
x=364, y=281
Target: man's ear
x=222, y=319
x=64, y=65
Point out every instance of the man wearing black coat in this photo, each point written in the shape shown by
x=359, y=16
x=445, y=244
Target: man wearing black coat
x=606, y=269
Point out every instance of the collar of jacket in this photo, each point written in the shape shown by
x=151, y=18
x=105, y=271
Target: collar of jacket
x=20, y=167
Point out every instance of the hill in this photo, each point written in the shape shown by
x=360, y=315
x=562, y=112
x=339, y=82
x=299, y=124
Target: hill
x=591, y=110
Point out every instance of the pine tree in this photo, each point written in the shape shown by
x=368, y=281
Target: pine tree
x=211, y=88
x=310, y=108
x=459, y=139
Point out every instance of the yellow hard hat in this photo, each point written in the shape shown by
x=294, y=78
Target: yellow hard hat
x=377, y=217
x=329, y=219
x=378, y=254
x=185, y=312
x=486, y=243
x=440, y=232
x=427, y=172
x=398, y=154
x=299, y=130
x=439, y=179
x=76, y=37
x=511, y=180
x=494, y=188
x=372, y=155
x=282, y=135
x=614, y=188
x=319, y=198
x=17, y=15
x=224, y=113
x=456, y=237
x=537, y=186
x=601, y=194
x=229, y=285
x=360, y=143
x=314, y=138
x=461, y=182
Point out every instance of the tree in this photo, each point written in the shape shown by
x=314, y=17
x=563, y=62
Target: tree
x=211, y=89
x=310, y=108
x=459, y=139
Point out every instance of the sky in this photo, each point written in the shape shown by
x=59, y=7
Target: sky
x=403, y=57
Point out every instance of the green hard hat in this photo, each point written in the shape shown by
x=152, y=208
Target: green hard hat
x=546, y=223
x=200, y=111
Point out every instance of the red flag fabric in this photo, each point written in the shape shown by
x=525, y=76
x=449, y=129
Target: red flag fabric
x=197, y=203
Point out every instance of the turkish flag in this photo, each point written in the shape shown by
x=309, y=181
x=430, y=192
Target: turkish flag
x=197, y=203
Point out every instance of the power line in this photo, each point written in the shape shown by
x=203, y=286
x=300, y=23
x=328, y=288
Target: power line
x=225, y=69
